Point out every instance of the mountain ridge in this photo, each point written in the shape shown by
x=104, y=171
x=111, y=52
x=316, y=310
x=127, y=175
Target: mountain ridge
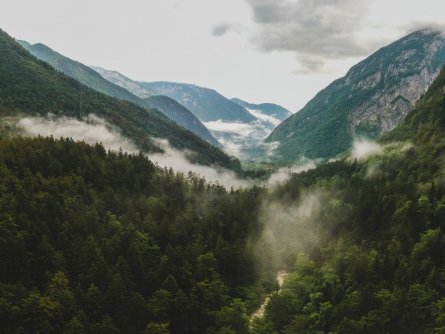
x=123, y=81
x=270, y=109
x=91, y=78
x=372, y=98
x=32, y=87
x=206, y=103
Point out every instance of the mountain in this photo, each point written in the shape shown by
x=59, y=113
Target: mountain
x=239, y=126
x=246, y=139
x=80, y=72
x=206, y=104
x=270, y=109
x=124, y=82
x=371, y=99
x=169, y=107
x=364, y=239
x=181, y=115
x=425, y=125
x=123, y=89
x=30, y=87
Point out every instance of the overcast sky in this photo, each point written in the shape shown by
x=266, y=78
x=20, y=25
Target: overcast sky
x=281, y=51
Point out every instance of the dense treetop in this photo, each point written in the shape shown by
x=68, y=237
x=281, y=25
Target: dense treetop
x=105, y=242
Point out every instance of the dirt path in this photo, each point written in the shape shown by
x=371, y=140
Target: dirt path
x=259, y=313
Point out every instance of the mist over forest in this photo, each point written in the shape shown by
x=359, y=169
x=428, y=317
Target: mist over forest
x=146, y=206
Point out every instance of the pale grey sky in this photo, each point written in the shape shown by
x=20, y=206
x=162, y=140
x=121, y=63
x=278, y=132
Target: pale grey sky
x=281, y=51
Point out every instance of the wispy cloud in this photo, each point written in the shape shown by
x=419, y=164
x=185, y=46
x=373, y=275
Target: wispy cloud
x=93, y=129
x=244, y=140
x=315, y=30
x=285, y=173
x=297, y=226
x=178, y=161
x=362, y=148
x=220, y=29
x=90, y=129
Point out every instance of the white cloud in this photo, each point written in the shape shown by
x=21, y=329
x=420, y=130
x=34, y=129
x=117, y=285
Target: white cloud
x=91, y=129
x=285, y=173
x=292, y=227
x=265, y=118
x=179, y=162
x=322, y=31
x=314, y=29
x=245, y=140
x=244, y=129
x=94, y=38
x=362, y=148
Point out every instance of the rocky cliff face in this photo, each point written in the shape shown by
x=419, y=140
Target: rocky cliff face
x=373, y=97
x=386, y=108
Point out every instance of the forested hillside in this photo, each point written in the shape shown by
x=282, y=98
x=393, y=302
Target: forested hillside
x=376, y=263
x=30, y=87
x=97, y=242
x=82, y=73
x=106, y=242
x=372, y=98
x=89, y=77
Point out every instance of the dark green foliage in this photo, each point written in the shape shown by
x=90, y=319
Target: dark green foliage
x=97, y=242
x=103, y=242
x=80, y=72
x=323, y=129
x=32, y=87
x=382, y=267
x=94, y=80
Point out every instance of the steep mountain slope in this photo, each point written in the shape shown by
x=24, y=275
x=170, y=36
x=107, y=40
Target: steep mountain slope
x=130, y=91
x=270, y=109
x=80, y=72
x=181, y=115
x=31, y=87
x=364, y=240
x=204, y=103
x=124, y=82
x=425, y=125
x=372, y=98
x=168, y=106
x=241, y=129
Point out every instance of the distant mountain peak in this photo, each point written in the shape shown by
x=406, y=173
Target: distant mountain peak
x=207, y=104
x=124, y=82
x=25, y=44
x=168, y=106
x=270, y=109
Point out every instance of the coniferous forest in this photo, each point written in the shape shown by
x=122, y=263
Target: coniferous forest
x=100, y=241
x=104, y=242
